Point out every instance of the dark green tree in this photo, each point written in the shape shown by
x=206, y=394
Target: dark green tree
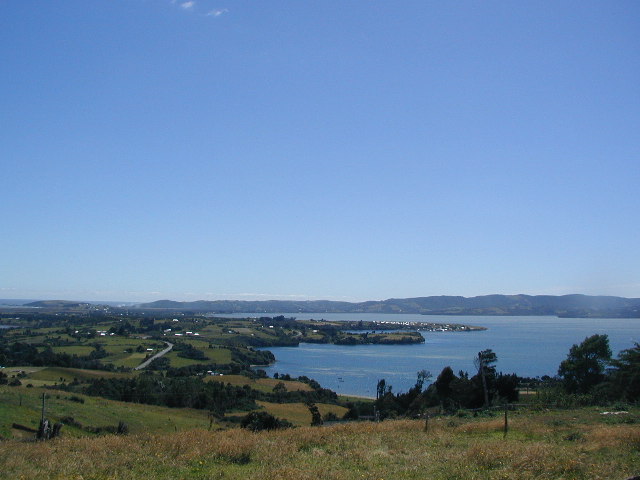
x=507, y=387
x=257, y=421
x=316, y=418
x=280, y=391
x=485, y=363
x=443, y=387
x=585, y=364
x=625, y=374
x=353, y=413
x=423, y=376
x=382, y=389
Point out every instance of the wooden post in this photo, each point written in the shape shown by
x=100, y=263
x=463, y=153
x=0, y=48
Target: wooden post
x=506, y=419
x=43, y=407
x=426, y=422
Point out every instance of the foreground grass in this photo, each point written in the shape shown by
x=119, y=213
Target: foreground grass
x=567, y=445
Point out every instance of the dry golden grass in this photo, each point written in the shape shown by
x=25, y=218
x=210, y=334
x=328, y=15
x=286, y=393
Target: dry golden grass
x=615, y=436
x=298, y=413
x=465, y=449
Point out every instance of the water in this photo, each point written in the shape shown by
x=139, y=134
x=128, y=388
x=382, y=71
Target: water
x=528, y=346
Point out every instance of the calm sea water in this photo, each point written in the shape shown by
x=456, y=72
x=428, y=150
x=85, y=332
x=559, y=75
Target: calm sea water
x=528, y=346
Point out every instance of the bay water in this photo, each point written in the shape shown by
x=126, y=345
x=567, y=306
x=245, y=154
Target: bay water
x=529, y=346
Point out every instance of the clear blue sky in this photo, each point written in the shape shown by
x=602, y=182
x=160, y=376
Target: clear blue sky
x=343, y=150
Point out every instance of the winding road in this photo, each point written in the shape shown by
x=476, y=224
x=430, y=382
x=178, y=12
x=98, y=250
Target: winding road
x=157, y=355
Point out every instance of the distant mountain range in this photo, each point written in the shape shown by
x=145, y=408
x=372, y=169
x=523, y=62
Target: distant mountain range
x=564, y=306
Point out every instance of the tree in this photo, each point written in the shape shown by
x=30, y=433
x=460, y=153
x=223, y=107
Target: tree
x=423, y=376
x=316, y=418
x=486, y=371
x=625, y=374
x=382, y=389
x=412, y=402
x=353, y=412
x=507, y=387
x=585, y=364
x=280, y=387
x=443, y=387
x=257, y=421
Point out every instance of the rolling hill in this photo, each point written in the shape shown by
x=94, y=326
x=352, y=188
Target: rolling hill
x=565, y=305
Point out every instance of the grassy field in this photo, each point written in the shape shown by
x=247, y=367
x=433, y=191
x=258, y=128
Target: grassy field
x=23, y=406
x=80, y=350
x=40, y=376
x=121, y=351
x=261, y=384
x=298, y=413
x=579, y=444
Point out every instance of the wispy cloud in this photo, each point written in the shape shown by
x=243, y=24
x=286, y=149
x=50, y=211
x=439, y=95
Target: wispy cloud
x=188, y=5
x=217, y=12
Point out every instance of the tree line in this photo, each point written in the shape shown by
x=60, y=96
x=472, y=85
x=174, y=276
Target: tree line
x=194, y=392
x=589, y=375
x=25, y=354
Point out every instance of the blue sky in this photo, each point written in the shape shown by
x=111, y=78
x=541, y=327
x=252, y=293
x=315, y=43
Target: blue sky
x=343, y=150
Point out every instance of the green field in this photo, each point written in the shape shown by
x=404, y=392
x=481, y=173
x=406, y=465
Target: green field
x=79, y=350
x=261, y=384
x=23, y=406
x=39, y=376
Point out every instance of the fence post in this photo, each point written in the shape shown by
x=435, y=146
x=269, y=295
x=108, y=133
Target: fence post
x=506, y=419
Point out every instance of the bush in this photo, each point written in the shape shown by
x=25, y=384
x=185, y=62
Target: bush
x=71, y=422
x=123, y=428
x=330, y=417
x=257, y=421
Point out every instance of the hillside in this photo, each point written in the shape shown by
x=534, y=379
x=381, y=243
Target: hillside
x=565, y=305
x=571, y=444
x=56, y=304
x=84, y=415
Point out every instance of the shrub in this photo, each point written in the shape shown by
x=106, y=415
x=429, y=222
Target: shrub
x=257, y=421
x=330, y=417
x=71, y=421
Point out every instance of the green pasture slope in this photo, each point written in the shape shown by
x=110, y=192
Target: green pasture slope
x=24, y=406
x=40, y=376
